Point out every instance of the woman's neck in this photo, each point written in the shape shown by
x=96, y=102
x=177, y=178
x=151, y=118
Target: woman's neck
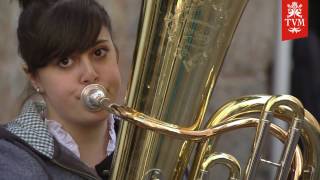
x=92, y=143
x=92, y=140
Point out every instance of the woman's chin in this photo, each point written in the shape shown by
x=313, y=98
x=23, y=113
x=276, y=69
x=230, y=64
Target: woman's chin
x=96, y=116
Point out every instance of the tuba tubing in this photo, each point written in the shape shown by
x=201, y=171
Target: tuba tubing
x=180, y=49
x=232, y=116
x=179, y=53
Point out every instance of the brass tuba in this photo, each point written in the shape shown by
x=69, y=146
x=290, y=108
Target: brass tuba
x=180, y=49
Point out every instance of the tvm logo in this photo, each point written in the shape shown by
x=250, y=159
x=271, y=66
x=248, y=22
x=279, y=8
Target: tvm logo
x=294, y=19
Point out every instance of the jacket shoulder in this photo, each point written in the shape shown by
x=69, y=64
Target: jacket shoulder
x=16, y=162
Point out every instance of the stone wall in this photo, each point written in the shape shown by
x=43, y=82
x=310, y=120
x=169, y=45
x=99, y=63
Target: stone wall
x=245, y=71
x=11, y=76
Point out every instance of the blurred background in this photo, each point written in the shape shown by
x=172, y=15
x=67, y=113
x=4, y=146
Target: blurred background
x=258, y=62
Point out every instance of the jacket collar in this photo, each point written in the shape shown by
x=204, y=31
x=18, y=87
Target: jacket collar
x=32, y=130
x=30, y=127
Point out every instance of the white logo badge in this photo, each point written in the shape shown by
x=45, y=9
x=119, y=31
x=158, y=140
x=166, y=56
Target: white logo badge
x=294, y=18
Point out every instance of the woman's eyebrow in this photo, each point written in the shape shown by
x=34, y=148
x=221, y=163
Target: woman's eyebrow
x=100, y=41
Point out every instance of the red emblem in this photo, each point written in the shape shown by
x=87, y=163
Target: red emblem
x=294, y=19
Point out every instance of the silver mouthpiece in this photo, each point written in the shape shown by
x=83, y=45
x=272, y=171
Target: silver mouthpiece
x=93, y=96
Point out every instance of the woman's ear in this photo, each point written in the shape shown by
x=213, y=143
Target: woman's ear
x=25, y=68
x=33, y=78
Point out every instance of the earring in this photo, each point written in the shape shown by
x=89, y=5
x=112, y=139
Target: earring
x=38, y=89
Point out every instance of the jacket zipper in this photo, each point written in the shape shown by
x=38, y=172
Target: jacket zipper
x=75, y=171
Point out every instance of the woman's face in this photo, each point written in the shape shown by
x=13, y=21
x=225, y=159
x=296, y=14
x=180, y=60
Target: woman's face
x=62, y=81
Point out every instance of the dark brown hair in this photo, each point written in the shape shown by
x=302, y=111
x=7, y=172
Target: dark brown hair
x=50, y=29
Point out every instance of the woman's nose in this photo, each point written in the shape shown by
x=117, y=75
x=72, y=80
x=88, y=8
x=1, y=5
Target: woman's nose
x=89, y=74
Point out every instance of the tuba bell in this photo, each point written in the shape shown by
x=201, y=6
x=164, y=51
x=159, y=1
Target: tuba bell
x=179, y=53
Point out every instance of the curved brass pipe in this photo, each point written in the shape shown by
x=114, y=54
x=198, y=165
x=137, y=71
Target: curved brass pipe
x=146, y=122
x=250, y=105
x=275, y=130
x=286, y=107
x=149, y=123
x=225, y=159
x=93, y=98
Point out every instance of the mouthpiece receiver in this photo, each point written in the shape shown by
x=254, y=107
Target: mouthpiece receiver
x=93, y=96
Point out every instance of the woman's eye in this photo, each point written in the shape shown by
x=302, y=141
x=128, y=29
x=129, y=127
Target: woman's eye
x=66, y=62
x=100, y=52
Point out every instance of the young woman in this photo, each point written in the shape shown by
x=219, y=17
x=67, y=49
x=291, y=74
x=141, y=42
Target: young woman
x=66, y=45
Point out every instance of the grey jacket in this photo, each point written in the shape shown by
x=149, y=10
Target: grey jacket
x=29, y=152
